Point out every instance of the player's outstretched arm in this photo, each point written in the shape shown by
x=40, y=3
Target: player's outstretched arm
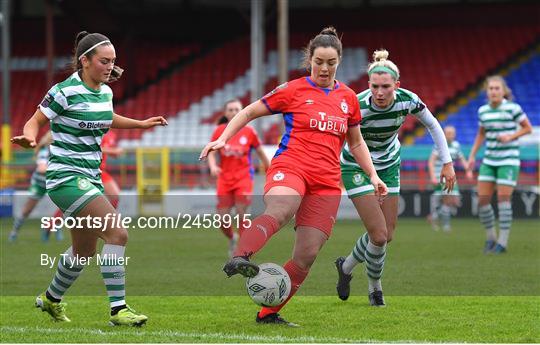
x=123, y=122
x=360, y=152
x=30, y=130
x=251, y=112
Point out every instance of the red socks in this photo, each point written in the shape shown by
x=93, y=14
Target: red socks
x=254, y=237
x=297, y=276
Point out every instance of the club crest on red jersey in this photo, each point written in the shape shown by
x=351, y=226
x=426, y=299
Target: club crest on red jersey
x=344, y=107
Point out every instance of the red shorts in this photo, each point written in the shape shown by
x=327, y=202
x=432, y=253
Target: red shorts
x=239, y=192
x=320, y=197
x=106, y=177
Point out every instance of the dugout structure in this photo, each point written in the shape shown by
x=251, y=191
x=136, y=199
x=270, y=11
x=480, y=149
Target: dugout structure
x=152, y=179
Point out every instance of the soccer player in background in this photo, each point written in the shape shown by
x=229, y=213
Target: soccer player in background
x=80, y=111
x=303, y=180
x=37, y=191
x=235, y=170
x=384, y=107
x=445, y=202
x=109, y=148
x=500, y=122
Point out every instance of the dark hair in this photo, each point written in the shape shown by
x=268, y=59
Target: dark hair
x=224, y=119
x=85, y=41
x=328, y=37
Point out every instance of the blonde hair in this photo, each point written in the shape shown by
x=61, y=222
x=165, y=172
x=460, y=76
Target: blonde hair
x=507, y=90
x=380, y=60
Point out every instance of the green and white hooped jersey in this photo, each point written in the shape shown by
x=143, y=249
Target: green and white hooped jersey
x=502, y=120
x=455, y=153
x=79, y=116
x=380, y=127
x=42, y=157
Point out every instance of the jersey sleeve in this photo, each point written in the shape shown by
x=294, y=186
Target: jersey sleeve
x=479, y=118
x=416, y=106
x=54, y=103
x=518, y=114
x=278, y=99
x=217, y=132
x=356, y=116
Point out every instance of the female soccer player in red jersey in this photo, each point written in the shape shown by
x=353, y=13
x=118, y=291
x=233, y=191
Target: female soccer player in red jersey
x=235, y=171
x=320, y=113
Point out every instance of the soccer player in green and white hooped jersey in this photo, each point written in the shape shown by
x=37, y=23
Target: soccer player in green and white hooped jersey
x=445, y=202
x=37, y=191
x=498, y=125
x=80, y=110
x=384, y=107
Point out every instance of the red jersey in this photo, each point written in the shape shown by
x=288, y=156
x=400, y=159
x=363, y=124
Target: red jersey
x=109, y=140
x=235, y=157
x=316, y=122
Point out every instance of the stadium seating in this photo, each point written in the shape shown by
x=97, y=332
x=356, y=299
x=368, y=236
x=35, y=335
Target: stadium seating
x=28, y=65
x=523, y=81
x=423, y=60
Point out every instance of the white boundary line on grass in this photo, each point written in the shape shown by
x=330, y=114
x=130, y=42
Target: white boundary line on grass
x=169, y=333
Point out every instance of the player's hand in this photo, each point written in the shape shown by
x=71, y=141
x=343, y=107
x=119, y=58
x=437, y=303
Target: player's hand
x=469, y=174
x=154, y=121
x=24, y=141
x=381, y=190
x=215, y=171
x=211, y=146
x=434, y=180
x=504, y=138
x=448, y=177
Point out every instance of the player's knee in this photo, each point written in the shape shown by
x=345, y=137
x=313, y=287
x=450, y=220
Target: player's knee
x=118, y=237
x=281, y=215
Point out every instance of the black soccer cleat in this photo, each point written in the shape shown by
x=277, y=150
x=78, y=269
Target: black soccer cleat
x=240, y=264
x=343, y=286
x=376, y=298
x=275, y=319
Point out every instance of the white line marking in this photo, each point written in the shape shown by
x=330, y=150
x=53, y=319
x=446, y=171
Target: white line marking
x=169, y=333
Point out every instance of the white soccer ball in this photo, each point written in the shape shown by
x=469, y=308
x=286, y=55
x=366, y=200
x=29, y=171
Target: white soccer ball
x=270, y=287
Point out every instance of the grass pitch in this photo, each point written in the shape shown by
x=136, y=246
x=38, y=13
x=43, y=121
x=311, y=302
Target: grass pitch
x=439, y=288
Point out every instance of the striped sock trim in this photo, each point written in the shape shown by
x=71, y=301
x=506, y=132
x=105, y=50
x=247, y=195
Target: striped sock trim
x=113, y=274
x=505, y=216
x=487, y=217
x=65, y=275
x=375, y=257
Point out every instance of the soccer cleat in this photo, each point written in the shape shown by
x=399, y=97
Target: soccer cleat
x=343, y=286
x=489, y=246
x=241, y=265
x=276, y=319
x=57, y=310
x=376, y=298
x=232, y=244
x=128, y=317
x=499, y=249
